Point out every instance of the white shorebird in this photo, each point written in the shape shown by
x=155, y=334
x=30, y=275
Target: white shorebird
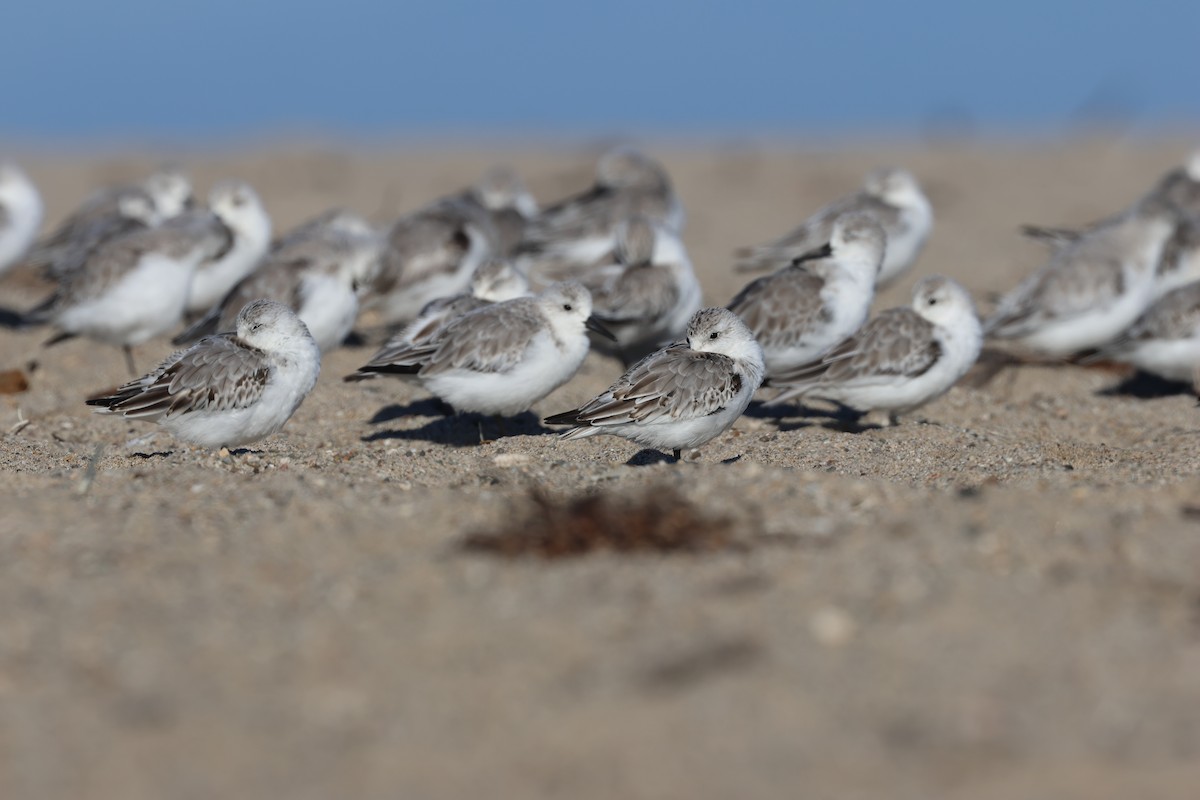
x=238, y=207
x=681, y=396
x=341, y=221
x=1093, y=287
x=500, y=359
x=901, y=359
x=893, y=197
x=428, y=254
x=1179, y=263
x=1165, y=340
x=648, y=294
x=320, y=274
x=228, y=390
x=581, y=229
x=495, y=281
x=20, y=214
x=800, y=312
x=133, y=288
x=508, y=204
x=109, y=214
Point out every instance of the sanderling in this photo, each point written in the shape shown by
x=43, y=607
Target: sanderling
x=580, y=230
x=20, y=214
x=495, y=281
x=133, y=288
x=503, y=196
x=1165, y=340
x=1179, y=263
x=648, y=294
x=901, y=359
x=336, y=220
x=320, y=275
x=230, y=389
x=428, y=254
x=503, y=358
x=892, y=196
x=108, y=214
x=803, y=310
x=237, y=205
x=1092, y=288
x=681, y=396
x=104, y=217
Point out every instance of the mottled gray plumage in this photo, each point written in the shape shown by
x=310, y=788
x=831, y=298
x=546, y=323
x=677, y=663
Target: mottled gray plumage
x=321, y=251
x=627, y=184
x=431, y=241
x=782, y=308
x=892, y=198
x=490, y=339
x=113, y=260
x=105, y=216
x=1175, y=316
x=219, y=373
x=898, y=342
x=672, y=383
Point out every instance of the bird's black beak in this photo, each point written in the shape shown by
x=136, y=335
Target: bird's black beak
x=593, y=324
x=824, y=251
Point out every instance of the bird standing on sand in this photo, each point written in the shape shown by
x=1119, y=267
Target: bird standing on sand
x=800, y=312
x=681, y=396
x=500, y=359
x=228, y=390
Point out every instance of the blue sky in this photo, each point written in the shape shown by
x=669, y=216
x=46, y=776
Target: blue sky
x=227, y=68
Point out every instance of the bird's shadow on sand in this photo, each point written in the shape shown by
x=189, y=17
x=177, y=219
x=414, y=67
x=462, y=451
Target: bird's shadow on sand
x=649, y=457
x=789, y=417
x=1144, y=386
x=425, y=407
x=460, y=430
x=11, y=319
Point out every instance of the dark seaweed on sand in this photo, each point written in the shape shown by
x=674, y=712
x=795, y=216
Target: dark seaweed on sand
x=659, y=520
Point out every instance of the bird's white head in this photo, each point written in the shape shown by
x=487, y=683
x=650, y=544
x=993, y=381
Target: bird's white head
x=141, y=207
x=502, y=188
x=719, y=330
x=15, y=186
x=269, y=325
x=567, y=306
x=941, y=300
x=170, y=190
x=859, y=242
x=636, y=238
x=896, y=187
x=497, y=280
x=239, y=207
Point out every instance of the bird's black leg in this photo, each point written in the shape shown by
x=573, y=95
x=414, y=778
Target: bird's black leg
x=678, y=454
x=129, y=360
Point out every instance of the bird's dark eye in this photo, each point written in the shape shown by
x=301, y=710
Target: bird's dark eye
x=566, y=306
x=933, y=301
x=714, y=335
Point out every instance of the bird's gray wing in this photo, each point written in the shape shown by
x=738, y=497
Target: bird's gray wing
x=782, y=307
x=1078, y=280
x=623, y=294
x=898, y=342
x=427, y=242
x=1175, y=316
x=672, y=383
x=490, y=339
x=218, y=373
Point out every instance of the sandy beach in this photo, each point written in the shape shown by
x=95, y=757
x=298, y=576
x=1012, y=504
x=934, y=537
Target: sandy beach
x=999, y=598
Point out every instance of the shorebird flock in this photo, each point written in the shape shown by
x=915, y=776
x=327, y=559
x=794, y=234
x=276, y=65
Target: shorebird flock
x=493, y=302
